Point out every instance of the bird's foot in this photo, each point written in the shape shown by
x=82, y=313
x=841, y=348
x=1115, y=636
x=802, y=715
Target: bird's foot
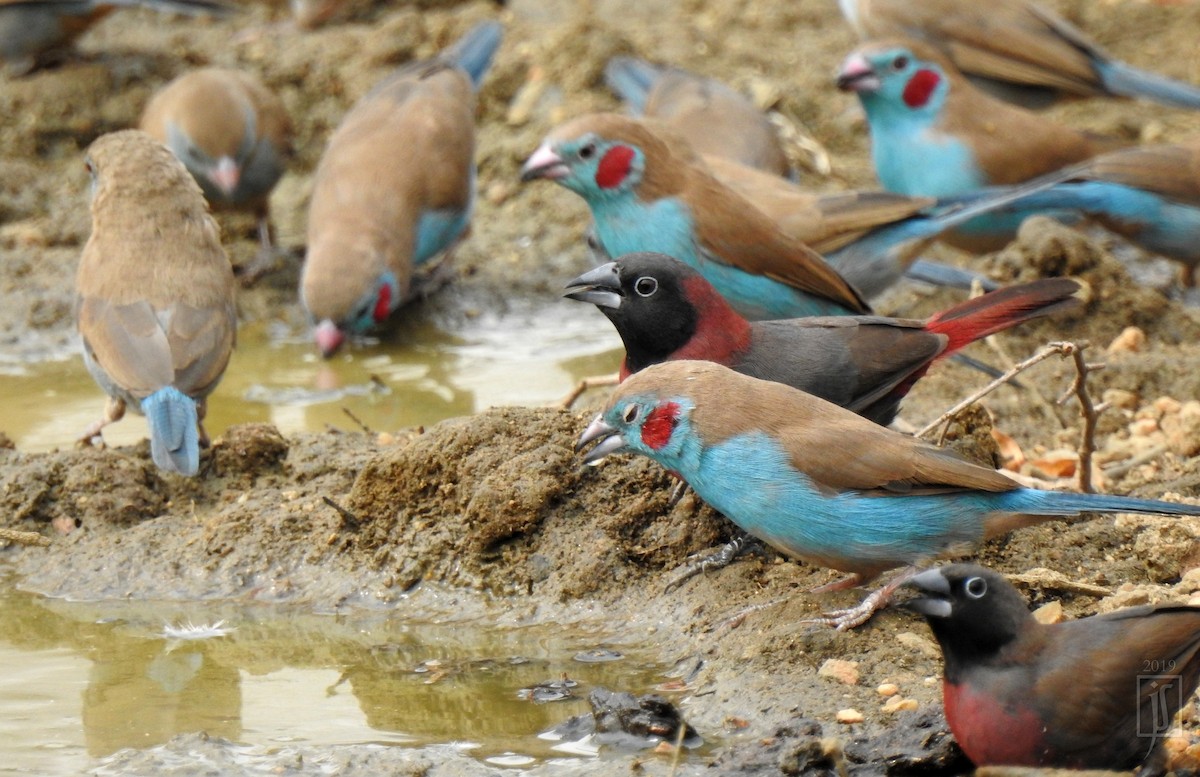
x=853, y=617
x=678, y=492
x=711, y=559
x=265, y=261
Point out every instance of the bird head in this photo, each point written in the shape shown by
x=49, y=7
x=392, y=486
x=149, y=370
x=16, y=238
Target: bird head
x=605, y=156
x=646, y=297
x=650, y=413
x=972, y=610
x=890, y=77
x=343, y=300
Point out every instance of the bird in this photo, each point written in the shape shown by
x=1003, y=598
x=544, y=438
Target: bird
x=1093, y=693
x=820, y=483
x=933, y=134
x=234, y=135
x=648, y=191
x=154, y=295
x=34, y=32
x=872, y=237
x=394, y=189
x=711, y=116
x=1148, y=194
x=1019, y=50
x=664, y=310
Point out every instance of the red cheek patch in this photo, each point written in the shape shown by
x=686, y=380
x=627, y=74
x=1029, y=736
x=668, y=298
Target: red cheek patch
x=614, y=166
x=660, y=425
x=920, y=87
x=383, y=304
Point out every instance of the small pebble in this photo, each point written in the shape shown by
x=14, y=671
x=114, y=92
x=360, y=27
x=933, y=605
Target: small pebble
x=1183, y=429
x=842, y=671
x=1143, y=427
x=849, y=716
x=888, y=689
x=1168, y=405
x=1049, y=613
x=899, y=703
x=1131, y=340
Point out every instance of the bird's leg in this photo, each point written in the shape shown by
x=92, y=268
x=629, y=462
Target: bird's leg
x=853, y=617
x=711, y=559
x=201, y=411
x=263, y=261
x=114, y=410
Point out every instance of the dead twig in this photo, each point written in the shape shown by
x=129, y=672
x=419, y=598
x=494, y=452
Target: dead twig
x=19, y=537
x=1057, y=348
x=1145, y=457
x=347, y=516
x=1089, y=411
x=361, y=425
x=587, y=383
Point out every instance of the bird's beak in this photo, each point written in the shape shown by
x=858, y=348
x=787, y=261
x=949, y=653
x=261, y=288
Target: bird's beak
x=601, y=287
x=937, y=603
x=857, y=75
x=226, y=175
x=610, y=441
x=329, y=338
x=544, y=163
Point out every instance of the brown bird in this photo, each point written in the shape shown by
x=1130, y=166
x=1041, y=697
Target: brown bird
x=1020, y=51
x=33, y=32
x=155, y=295
x=233, y=135
x=394, y=188
x=713, y=118
x=1093, y=693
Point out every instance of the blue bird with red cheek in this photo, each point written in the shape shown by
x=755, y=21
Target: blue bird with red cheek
x=1093, y=693
x=649, y=191
x=819, y=482
x=934, y=134
x=394, y=189
x=1017, y=50
x=664, y=310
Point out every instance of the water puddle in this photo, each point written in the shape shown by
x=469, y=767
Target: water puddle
x=84, y=680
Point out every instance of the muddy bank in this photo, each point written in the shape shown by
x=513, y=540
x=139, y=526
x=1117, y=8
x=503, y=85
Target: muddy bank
x=495, y=508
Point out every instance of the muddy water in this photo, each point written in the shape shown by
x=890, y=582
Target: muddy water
x=99, y=677
x=419, y=376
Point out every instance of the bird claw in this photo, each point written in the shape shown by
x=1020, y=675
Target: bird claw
x=678, y=491
x=853, y=617
x=710, y=559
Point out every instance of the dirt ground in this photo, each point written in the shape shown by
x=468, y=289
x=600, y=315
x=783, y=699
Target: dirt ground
x=497, y=504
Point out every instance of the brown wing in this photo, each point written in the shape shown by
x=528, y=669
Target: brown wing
x=814, y=433
x=731, y=228
x=128, y=343
x=1170, y=170
x=1006, y=40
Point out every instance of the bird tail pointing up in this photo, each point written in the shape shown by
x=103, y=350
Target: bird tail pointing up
x=632, y=80
x=1127, y=81
x=174, y=430
x=995, y=311
x=473, y=52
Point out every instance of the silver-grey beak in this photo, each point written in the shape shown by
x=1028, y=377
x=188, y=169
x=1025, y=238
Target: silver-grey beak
x=601, y=287
x=931, y=581
x=544, y=163
x=610, y=441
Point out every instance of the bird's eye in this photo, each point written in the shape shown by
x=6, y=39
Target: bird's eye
x=587, y=151
x=631, y=413
x=975, y=587
x=900, y=63
x=645, y=286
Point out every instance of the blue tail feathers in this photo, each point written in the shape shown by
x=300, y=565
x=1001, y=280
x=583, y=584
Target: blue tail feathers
x=473, y=52
x=632, y=80
x=1127, y=81
x=1035, y=502
x=174, y=430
